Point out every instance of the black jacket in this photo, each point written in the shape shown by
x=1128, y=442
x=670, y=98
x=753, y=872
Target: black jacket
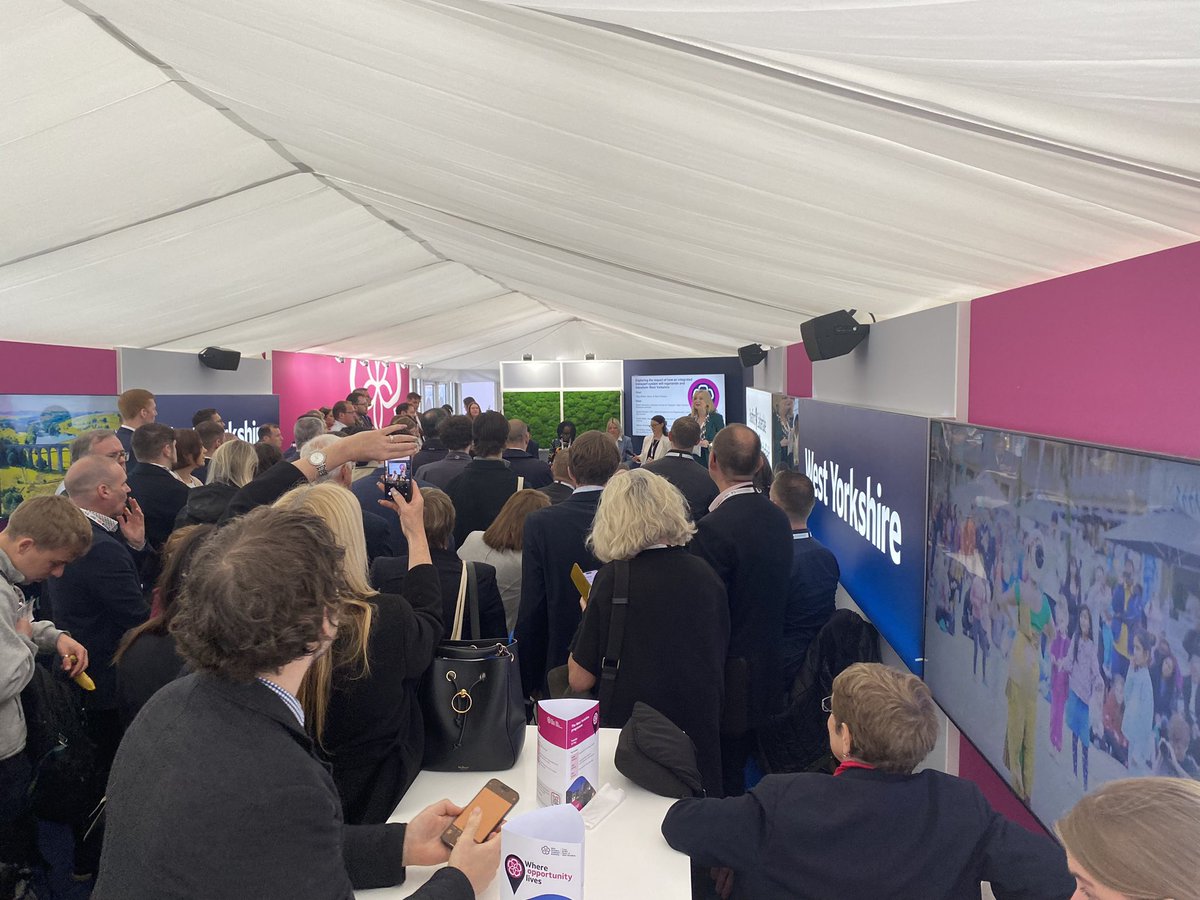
x=125, y=436
x=748, y=542
x=263, y=490
x=478, y=493
x=535, y=472
x=147, y=664
x=216, y=792
x=549, y=612
x=687, y=473
x=431, y=451
x=366, y=491
x=161, y=496
x=557, y=491
x=205, y=505
x=867, y=833
x=811, y=593
x=374, y=734
x=392, y=575
x=98, y=598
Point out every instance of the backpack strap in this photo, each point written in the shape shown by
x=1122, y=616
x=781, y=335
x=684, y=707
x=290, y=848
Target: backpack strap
x=616, y=634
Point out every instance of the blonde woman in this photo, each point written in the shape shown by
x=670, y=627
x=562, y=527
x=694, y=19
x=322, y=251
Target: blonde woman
x=624, y=441
x=231, y=468
x=677, y=626
x=709, y=420
x=1135, y=839
x=360, y=699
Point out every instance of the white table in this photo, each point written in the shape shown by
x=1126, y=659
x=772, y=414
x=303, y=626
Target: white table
x=625, y=853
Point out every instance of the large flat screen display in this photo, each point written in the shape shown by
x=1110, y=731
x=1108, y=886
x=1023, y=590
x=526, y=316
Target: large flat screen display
x=1063, y=609
x=868, y=470
x=670, y=396
x=35, y=431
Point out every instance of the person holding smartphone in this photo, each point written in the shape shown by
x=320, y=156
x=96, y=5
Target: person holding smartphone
x=217, y=790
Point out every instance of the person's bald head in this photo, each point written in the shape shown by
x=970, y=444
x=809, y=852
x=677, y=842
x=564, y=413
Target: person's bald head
x=97, y=483
x=735, y=454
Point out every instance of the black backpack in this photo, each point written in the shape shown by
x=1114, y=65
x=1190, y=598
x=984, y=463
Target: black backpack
x=64, y=785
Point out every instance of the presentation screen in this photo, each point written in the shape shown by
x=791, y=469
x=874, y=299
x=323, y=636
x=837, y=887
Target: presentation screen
x=1063, y=609
x=670, y=396
x=868, y=470
x=241, y=413
x=35, y=432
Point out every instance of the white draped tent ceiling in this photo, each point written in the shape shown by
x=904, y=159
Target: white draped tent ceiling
x=455, y=183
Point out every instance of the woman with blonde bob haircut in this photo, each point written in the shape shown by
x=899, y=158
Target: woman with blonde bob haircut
x=1135, y=839
x=360, y=698
x=232, y=467
x=677, y=624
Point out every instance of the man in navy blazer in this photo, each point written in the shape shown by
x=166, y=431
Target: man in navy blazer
x=748, y=541
x=137, y=407
x=160, y=494
x=549, y=612
x=874, y=828
x=535, y=472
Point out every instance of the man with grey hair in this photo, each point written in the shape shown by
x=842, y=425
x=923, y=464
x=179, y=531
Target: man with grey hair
x=307, y=427
x=97, y=441
x=375, y=527
x=535, y=472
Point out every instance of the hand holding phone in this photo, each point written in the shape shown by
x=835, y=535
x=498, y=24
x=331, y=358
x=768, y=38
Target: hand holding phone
x=496, y=799
x=396, y=477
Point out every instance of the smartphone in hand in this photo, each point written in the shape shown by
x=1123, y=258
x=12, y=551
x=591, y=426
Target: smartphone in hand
x=495, y=799
x=396, y=477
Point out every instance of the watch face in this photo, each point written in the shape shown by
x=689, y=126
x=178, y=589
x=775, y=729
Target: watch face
x=317, y=458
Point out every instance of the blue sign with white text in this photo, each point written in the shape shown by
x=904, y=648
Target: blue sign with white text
x=869, y=470
x=241, y=413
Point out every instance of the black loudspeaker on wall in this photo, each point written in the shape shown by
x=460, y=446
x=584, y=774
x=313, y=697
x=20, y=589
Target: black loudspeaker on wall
x=751, y=355
x=835, y=334
x=216, y=358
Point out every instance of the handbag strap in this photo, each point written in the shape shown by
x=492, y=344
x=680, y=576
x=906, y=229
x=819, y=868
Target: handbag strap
x=616, y=634
x=456, y=629
x=520, y=482
x=473, y=599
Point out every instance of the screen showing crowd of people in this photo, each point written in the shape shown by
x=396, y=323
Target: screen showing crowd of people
x=249, y=625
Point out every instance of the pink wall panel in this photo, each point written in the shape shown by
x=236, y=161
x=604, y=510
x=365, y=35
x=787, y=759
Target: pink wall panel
x=972, y=766
x=50, y=369
x=1106, y=356
x=799, y=372
x=304, y=381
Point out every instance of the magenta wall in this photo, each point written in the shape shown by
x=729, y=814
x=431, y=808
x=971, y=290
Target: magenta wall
x=305, y=381
x=1106, y=356
x=50, y=369
x=799, y=372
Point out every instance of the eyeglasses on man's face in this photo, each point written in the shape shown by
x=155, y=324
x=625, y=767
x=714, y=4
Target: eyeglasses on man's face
x=119, y=455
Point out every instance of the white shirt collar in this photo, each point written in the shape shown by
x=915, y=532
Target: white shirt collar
x=109, y=525
x=585, y=488
x=742, y=487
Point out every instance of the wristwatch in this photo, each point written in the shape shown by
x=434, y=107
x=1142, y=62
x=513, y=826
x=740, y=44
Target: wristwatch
x=317, y=460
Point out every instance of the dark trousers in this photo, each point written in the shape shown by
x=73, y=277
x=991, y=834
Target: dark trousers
x=18, y=837
x=735, y=751
x=104, y=729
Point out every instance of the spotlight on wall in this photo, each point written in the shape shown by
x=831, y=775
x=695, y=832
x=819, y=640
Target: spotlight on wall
x=340, y=359
x=834, y=334
x=528, y=357
x=589, y=356
x=751, y=355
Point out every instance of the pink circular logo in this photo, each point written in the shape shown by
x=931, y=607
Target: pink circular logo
x=704, y=384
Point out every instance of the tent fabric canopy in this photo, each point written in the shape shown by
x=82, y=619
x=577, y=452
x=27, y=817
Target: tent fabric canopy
x=456, y=183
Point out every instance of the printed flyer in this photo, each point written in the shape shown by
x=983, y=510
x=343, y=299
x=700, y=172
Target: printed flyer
x=542, y=854
x=568, y=767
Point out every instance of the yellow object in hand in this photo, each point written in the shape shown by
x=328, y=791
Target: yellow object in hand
x=84, y=680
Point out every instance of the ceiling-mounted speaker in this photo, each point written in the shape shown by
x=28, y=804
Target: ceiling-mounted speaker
x=216, y=358
x=834, y=334
x=751, y=355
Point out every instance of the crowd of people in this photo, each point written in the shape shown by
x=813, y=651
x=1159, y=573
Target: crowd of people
x=257, y=620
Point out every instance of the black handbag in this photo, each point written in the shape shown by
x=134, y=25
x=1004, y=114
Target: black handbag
x=471, y=698
x=654, y=753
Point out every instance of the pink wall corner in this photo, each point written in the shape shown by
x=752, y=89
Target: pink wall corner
x=973, y=767
x=51, y=369
x=799, y=372
x=1106, y=355
x=305, y=381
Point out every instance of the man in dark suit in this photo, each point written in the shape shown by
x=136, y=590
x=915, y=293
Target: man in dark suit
x=535, y=472
x=562, y=487
x=97, y=599
x=455, y=435
x=186, y=815
x=748, y=541
x=684, y=470
x=137, y=408
x=554, y=541
x=874, y=829
x=159, y=493
x=486, y=482
x=212, y=435
x=432, y=449
x=815, y=573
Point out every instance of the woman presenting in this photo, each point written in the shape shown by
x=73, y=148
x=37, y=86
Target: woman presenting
x=709, y=420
